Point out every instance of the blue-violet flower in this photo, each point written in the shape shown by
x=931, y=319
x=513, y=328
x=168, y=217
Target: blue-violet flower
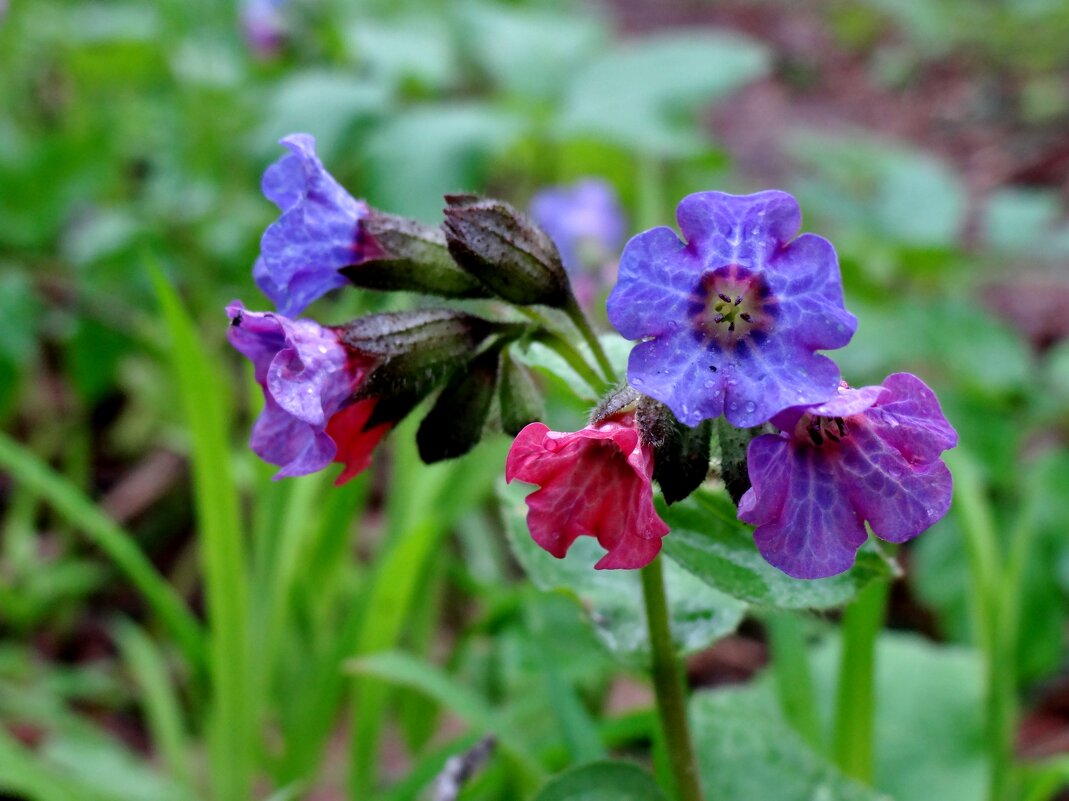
x=317, y=234
x=734, y=314
x=584, y=220
x=868, y=454
x=308, y=379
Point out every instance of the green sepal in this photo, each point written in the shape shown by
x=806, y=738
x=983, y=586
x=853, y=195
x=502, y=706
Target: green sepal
x=408, y=256
x=733, y=469
x=680, y=453
x=618, y=400
x=414, y=352
x=456, y=422
x=518, y=398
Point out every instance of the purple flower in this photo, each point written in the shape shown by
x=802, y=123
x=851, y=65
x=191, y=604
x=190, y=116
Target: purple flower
x=734, y=314
x=317, y=234
x=307, y=376
x=869, y=454
x=264, y=26
x=584, y=221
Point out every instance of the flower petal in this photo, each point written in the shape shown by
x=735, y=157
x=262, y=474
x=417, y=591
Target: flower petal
x=738, y=229
x=908, y=416
x=689, y=380
x=817, y=533
x=657, y=277
x=594, y=482
x=898, y=499
x=316, y=235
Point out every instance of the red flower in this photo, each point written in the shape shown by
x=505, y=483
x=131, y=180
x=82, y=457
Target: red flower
x=594, y=482
x=355, y=445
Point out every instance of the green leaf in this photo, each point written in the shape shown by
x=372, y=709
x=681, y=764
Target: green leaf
x=905, y=195
x=749, y=753
x=529, y=51
x=646, y=95
x=408, y=49
x=710, y=542
x=118, y=544
x=221, y=547
x=700, y=614
x=405, y=670
x=929, y=717
x=321, y=103
x=602, y=781
x=422, y=153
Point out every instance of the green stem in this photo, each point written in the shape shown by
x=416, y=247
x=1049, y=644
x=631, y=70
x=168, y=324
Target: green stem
x=794, y=678
x=575, y=314
x=668, y=685
x=855, y=703
x=985, y=590
x=575, y=360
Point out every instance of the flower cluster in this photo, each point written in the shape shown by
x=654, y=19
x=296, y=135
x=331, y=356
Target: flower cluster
x=731, y=320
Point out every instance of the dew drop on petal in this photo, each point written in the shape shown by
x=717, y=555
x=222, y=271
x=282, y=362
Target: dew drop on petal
x=751, y=407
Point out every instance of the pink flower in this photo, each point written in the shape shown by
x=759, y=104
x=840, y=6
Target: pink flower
x=594, y=482
x=355, y=443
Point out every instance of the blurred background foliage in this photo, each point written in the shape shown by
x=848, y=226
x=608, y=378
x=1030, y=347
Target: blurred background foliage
x=172, y=622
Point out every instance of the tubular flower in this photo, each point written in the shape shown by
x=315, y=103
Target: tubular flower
x=308, y=379
x=594, y=482
x=869, y=454
x=318, y=233
x=734, y=315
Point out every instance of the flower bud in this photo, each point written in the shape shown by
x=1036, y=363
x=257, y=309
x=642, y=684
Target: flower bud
x=455, y=423
x=505, y=251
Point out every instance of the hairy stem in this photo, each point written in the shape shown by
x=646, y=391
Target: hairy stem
x=668, y=685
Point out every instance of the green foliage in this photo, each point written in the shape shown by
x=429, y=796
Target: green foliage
x=699, y=614
x=602, y=781
x=710, y=543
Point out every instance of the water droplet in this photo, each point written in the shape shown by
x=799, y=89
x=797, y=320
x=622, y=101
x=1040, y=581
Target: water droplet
x=710, y=384
x=733, y=405
x=322, y=348
x=751, y=407
x=551, y=445
x=930, y=512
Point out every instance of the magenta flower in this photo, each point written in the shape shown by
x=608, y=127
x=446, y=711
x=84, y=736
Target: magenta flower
x=308, y=378
x=869, y=454
x=317, y=234
x=734, y=315
x=594, y=482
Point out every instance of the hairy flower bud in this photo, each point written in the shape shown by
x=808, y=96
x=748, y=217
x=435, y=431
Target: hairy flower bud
x=505, y=251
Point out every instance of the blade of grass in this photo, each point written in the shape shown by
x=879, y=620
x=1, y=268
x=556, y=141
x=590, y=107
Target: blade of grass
x=21, y=774
x=424, y=504
x=202, y=389
x=162, y=708
x=116, y=543
x=404, y=670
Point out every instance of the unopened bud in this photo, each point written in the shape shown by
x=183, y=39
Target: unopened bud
x=505, y=251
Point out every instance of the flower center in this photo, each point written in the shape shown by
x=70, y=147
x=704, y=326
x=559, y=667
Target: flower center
x=732, y=303
x=819, y=431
